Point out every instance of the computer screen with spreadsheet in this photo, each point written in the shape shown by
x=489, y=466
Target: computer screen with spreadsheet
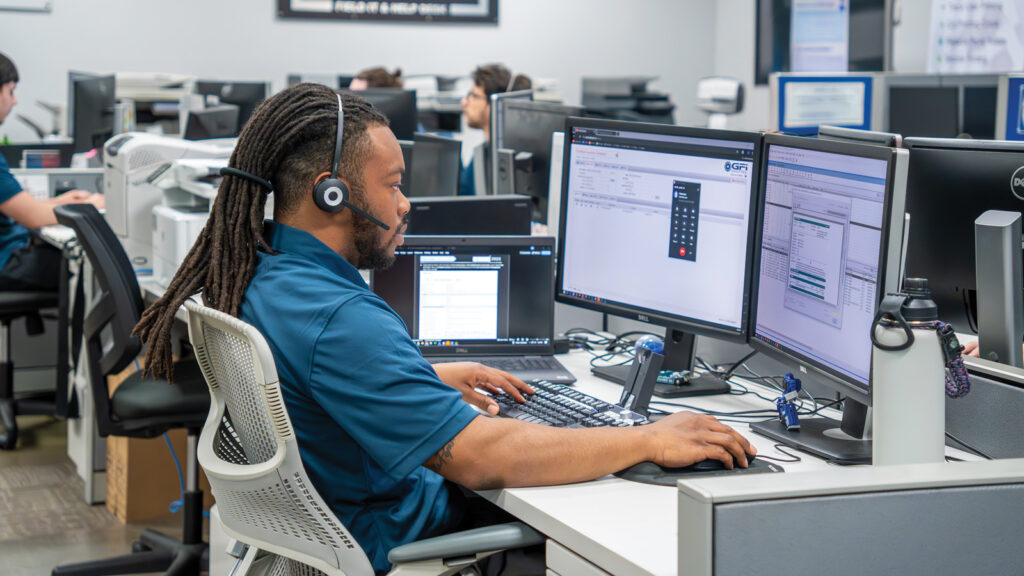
x=830, y=232
x=820, y=251
x=657, y=223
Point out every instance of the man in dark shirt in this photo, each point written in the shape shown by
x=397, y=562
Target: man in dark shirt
x=24, y=264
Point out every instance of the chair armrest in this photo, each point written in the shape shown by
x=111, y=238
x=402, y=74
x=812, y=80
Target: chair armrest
x=467, y=542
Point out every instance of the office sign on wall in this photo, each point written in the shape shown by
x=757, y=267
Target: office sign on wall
x=401, y=11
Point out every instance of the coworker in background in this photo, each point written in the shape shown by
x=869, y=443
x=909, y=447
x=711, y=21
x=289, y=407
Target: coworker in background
x=377, y=78
x=476, y=107
x=27, y=263
x=384, y=435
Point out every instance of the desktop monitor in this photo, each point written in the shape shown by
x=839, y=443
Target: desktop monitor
x=656, y=225
x=941, y=106
x=398, y=105
x=214, y=122
x=924, y=111
x=837, y=134
x=527, y=129
x=246, y=95
x=502, y=215
x=1010, y=108
x=829, y=236
x=500, y=172
x=950, y=183
x=15, y=153
x=803, y=102
x=90, y=109
x=433, y=166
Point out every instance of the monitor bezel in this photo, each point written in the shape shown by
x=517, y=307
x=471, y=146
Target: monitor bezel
x=671, y=321
x=804, y=363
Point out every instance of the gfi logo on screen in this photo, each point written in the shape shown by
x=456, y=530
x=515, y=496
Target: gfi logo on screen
x=740, y=167
x=1017, y=183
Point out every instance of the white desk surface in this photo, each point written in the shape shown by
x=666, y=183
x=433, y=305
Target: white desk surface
x=625, y=527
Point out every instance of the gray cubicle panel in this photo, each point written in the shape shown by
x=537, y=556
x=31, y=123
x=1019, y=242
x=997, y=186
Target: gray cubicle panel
x=991, y=416
x=944, y=518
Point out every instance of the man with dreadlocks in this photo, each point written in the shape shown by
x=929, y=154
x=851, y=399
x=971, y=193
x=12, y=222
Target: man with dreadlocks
x=384, y=436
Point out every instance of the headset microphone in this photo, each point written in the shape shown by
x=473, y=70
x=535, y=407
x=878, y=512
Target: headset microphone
x=331, y=194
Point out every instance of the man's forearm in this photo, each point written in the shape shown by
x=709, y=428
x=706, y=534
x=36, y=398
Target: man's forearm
x=504, y=453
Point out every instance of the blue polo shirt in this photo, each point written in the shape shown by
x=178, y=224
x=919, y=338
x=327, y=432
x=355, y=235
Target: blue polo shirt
x=12, y=234
x=367, y=409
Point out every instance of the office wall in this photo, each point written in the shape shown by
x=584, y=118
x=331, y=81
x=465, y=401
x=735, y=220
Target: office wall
x=243, y=39
x=734, y=50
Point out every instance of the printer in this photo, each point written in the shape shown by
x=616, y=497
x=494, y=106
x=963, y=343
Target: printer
x=132, y=163
x=190, y=187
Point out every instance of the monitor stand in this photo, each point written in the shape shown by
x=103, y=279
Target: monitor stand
x=680, y=350
x=848, y=442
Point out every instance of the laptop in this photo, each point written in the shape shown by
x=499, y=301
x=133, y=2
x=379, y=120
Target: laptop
x=487, y=299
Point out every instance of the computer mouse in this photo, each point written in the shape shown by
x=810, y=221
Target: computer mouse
x=712, y=464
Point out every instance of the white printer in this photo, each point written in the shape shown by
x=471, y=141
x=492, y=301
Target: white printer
x=189, y=188
x=131, y=163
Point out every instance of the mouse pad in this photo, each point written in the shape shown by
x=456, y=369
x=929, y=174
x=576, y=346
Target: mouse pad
x=651, y=473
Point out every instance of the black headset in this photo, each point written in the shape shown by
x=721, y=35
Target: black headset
x=331, y=194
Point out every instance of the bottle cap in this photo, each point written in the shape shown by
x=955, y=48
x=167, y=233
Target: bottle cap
x=919, y=307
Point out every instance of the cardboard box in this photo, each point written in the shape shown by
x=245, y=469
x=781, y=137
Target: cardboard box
x=142, y=479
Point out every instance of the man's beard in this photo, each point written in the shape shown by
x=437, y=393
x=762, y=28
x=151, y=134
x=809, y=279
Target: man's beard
x=372, y=242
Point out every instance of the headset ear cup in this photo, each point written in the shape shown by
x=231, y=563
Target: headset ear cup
x=331, y=195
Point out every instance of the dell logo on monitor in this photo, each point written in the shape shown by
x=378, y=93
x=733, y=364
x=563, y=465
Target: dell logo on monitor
x=642, y=318
x=1017, y=183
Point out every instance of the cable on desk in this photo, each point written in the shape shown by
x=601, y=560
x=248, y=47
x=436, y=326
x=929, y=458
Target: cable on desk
x=779, y=448
x=968, y=446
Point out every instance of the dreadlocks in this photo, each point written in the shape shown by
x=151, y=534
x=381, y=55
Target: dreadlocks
x=289, y=141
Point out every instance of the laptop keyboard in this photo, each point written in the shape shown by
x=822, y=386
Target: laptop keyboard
x=564, y=407
x=522, y=364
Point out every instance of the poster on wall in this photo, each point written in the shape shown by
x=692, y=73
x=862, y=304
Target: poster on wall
x=975, y=36
x=483, y=11
x=819, y=36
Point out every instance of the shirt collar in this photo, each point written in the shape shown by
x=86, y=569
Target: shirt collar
x=288, y=240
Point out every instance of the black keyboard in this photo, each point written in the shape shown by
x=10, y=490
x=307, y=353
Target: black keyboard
x=565, y=407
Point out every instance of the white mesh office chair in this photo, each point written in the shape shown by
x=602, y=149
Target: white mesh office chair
x=266, y=500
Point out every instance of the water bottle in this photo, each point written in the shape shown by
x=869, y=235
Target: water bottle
x=908, y=374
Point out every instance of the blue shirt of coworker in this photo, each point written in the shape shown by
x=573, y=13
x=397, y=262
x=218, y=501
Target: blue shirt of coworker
x=367, y=409
x=467, y=180
x=12, y=234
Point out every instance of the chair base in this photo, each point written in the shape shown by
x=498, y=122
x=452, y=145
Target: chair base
x=152, y=552
x=39, y=404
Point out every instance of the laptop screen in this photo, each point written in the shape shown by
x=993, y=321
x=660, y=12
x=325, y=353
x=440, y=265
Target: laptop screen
x=473, y=295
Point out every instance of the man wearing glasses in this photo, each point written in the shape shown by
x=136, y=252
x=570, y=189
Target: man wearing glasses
x=476, y=106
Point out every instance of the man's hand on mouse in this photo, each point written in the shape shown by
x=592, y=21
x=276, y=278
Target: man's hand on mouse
x=684, y=438
x=466, y=377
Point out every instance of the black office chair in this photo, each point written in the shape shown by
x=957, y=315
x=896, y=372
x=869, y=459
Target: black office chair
x=15, y=305
x=140, y=407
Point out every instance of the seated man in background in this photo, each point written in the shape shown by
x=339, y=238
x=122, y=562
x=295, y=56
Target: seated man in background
x=27, y=263
x=377, y=77
x=386, y=437
x=476, y=106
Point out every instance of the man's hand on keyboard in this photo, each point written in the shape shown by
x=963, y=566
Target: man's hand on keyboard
x=466, y=377
x=685, y=437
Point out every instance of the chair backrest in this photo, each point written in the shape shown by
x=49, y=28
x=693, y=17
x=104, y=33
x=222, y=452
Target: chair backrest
x=115, y=306
x=248, y=450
